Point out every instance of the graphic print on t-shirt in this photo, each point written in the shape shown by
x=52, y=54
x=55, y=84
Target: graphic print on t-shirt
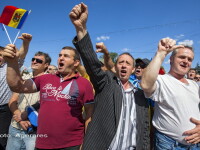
x=69, y=93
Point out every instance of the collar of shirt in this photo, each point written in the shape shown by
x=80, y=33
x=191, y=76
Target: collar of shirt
x=132, y=87
x=65, y=79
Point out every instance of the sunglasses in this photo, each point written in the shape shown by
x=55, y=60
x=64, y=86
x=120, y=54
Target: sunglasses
x=37, y=60
x=142, y=65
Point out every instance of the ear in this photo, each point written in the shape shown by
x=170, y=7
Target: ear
x=171, y=59
x=46, y=65
x=133, y=69
x=76, y=63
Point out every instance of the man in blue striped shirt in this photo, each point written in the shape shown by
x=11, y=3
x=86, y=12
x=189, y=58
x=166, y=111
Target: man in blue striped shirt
x=5, y=92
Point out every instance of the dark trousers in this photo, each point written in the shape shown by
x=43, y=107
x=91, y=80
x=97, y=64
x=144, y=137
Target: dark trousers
x=67, y=148
x=5, y=119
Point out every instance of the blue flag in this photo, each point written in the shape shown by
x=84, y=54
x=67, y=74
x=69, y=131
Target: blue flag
x=32, y=116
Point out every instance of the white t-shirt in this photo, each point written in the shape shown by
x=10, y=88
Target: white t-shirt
x=176, y=103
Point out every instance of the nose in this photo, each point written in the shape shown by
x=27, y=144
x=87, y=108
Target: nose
x=34, y=61
x=61, y=57
x=124, y=65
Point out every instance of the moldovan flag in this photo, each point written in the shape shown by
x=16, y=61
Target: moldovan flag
x=13, y=16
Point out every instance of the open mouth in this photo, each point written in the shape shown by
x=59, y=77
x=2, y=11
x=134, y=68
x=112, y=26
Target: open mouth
x=61, y=64
x=138, y=71
x=183, y=66
x=123, y=72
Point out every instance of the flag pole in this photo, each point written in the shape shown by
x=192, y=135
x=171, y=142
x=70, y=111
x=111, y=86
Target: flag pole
x=16, y=36
x=7, y=33
x=20, y=30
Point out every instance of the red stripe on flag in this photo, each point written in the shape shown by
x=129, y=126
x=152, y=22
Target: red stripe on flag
x=7, y=14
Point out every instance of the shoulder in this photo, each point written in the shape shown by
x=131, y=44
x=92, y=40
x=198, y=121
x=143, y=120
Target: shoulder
x=193, y=83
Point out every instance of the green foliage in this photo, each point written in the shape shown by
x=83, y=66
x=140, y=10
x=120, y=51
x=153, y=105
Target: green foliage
x=113, y=56
x=198, y=68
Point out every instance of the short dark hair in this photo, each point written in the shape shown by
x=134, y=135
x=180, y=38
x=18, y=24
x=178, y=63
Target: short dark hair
x=193, y=69
x=126, y=53
x=76, y=56
x=1, y=48
x=46, y=56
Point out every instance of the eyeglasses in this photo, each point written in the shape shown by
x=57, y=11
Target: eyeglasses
x=37, y=60
x=142, y=65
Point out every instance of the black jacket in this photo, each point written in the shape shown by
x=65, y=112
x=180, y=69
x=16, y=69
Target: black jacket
x=108, y=102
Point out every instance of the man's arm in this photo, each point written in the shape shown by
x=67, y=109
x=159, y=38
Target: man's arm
x=83, y=44
x=26, y=38
x=14, y=108
x=79, y=16
x=150, y=74
x=14, y=80
x=16, y=112
x=89, y=108
x=107, y=59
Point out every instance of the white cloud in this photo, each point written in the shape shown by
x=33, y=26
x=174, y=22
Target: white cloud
x=168, y=61
x=103, y=38
x=126, y=49
x=179, y=36
x=186, y=42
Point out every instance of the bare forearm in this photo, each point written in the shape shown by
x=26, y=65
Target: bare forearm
x=81, y=33
x=108, y=61
x=24, y=50
x=86, y=123
x=14, y=107
x=150, y=74
x=14, y=79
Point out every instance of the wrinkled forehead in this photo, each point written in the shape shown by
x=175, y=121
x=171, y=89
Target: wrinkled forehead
x=185, y=52
x=192, y=71
x=68, y=52
x=125, y=57
x=50, y=66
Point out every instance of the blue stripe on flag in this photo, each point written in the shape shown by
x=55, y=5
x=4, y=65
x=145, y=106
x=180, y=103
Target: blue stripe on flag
x=22, y=20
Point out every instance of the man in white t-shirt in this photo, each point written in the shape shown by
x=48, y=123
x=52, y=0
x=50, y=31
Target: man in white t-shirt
x=176, y=117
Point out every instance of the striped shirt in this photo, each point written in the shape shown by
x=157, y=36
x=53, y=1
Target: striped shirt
x=125, y=137
x=5, y=92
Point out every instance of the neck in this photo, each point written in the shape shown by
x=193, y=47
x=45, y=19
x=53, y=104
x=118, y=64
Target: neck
x=178, y=76
x=125, y=84
x=68, y=75
x=37, y=73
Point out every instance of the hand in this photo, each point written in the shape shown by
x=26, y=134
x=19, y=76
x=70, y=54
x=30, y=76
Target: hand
x=25, y=124
x=25, y=37
x=24, y=115
x=10, y=51
x=194, y=134
x=167, y=45
x=78, y=16
x=17, y=117
x=101, y=48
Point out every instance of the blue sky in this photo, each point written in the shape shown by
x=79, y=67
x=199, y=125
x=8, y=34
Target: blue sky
x=133, y=26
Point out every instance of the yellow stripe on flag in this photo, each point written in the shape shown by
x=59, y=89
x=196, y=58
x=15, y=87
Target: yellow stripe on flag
x=16, y=18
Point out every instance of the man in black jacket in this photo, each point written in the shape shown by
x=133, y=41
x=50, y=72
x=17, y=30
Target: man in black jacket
x=120, y=120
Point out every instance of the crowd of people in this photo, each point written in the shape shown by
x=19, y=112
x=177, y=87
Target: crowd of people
x=130, y=104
